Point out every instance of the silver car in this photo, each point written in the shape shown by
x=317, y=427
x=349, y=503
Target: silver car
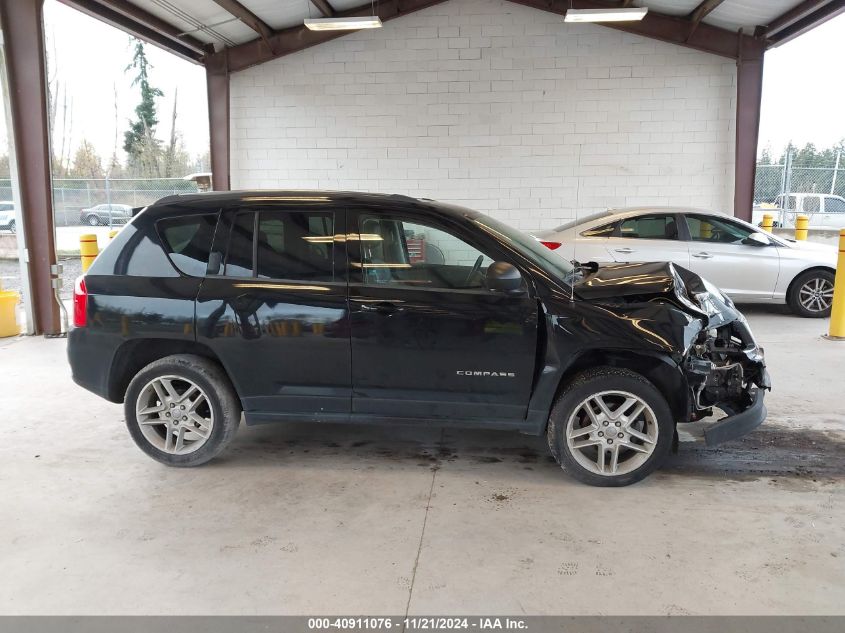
x=103, y=214
x=7, y=215
x=747, y=263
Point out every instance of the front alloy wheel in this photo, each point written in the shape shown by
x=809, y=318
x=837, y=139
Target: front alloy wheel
x=612, y=432
x=93, y=220
x=610, y=427
x=811, y=294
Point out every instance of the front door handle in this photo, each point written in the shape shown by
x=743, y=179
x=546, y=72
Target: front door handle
x=382, y=307
x=703, y=255
x=625, y=250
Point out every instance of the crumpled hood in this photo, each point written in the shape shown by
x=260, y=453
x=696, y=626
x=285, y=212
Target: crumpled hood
x=638, y=283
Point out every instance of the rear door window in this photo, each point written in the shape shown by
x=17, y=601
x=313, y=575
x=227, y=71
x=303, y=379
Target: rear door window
x=295, y=245
x=650, y=227
x=834, y=205
x=289, y=245
x=187, y=241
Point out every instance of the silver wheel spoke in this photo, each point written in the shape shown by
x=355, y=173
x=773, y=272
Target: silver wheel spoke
x=582, y=431
x=586, y=444
x=634, y=447
x=640, y=436
x=614, y=458
x=600, y=403
x=600, y=458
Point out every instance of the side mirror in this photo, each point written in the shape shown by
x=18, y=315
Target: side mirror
x=504, y=277
x=757, y=239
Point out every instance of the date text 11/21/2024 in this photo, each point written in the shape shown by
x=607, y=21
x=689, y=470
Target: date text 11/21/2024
x=419, y=623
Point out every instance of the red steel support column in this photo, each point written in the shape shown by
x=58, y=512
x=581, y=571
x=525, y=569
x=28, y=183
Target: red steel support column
x=23, y=35
x=217, y=78
x=749, y=89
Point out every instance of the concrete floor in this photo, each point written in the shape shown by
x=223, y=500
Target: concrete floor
x=297, y=519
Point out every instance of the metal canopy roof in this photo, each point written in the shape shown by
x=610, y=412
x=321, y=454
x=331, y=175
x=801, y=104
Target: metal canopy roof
x=195, y=28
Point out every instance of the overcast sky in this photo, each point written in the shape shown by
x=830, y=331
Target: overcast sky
x=803, y=92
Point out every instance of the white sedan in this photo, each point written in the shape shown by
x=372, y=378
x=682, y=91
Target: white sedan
x=747, y=263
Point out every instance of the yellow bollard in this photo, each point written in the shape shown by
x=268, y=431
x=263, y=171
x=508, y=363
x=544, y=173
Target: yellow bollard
x=88, y=250
x=112, y=234
x=768, y=222
x=802, y=223
x=706, y=231
x=837, y=313
x=8, y=313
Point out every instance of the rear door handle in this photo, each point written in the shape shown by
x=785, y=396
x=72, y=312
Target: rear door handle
x=624, y=250
x=382, y=307
x=703, y=255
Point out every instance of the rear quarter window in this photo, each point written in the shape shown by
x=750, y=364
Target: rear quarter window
x=187, y=241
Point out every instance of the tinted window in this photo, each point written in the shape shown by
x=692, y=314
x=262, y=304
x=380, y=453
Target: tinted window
x=704, y=228
x=396, y=251
x=187, y=241
x=834, y=205
x=790, y=202
x=650, y=227
x=296, y=245
x=239, y=251
x=605, y=230
x=812, y=205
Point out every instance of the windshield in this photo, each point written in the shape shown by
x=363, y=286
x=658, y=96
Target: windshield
x=531, y=248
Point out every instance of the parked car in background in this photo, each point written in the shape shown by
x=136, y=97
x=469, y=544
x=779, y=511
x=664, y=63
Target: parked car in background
x=8, y=217
x=325, y=307
x=748, y=264
x=824, y=211
x=104, y=214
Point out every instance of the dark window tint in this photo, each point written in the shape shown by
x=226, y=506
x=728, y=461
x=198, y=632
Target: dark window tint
x=790, y=202
x=296, y=245
x=239, y=252
x=605, y=230
x=834, y=205
x=396, y=251
x=650, y=227
x=187, y=241
x=812, y=205
x=704, y=228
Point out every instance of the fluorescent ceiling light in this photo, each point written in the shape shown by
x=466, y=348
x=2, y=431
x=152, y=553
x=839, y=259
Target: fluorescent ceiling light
x=343, y=24
x=605, y=15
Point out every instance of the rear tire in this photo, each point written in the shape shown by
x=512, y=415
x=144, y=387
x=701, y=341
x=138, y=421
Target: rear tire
x=182, y=410
x=92, y=220
x=610, y=427
x=811, y=294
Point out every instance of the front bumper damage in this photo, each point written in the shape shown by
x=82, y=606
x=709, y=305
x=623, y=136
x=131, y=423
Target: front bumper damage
x=726, y=370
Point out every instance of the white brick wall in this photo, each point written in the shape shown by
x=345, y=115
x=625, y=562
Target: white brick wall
x=496, y=106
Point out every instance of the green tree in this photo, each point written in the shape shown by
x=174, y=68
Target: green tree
x=86, y=162
x=140, y=143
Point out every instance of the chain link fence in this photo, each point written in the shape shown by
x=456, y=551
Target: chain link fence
x=72, y=195
x=775, y=180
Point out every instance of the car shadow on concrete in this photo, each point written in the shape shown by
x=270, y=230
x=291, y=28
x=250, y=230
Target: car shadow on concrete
x=769, y=451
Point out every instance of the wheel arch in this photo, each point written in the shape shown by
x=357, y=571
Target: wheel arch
x=135, y=354
x=822, y=267
x=660, y=370
x=809, y=269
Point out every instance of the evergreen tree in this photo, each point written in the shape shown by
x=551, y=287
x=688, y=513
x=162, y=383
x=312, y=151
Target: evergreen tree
x=140, y=143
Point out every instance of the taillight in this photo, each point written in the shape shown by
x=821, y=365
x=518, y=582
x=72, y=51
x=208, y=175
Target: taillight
x=80, y=303
x=551, y=245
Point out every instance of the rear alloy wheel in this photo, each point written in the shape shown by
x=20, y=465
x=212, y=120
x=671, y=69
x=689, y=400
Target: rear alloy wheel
x=811, y=294
x=610, y=427
x=182, y=410
x=93, y=220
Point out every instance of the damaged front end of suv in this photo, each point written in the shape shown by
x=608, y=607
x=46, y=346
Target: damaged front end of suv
x=709, y=341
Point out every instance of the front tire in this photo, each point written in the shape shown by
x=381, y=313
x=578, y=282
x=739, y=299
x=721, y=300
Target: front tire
x=811, y=294
x=182, y=410
x=93, y=220
x=610, y=427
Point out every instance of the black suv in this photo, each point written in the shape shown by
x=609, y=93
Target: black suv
x=353, y=307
